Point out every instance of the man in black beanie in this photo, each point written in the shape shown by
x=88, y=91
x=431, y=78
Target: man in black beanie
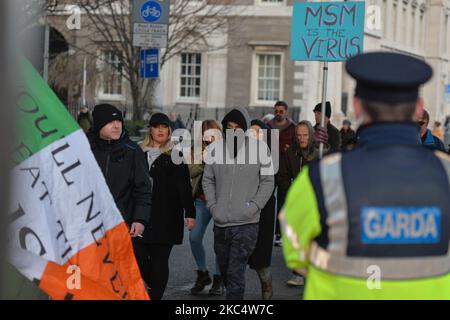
x=106, y=114
x=125, y=169
x=334, y=136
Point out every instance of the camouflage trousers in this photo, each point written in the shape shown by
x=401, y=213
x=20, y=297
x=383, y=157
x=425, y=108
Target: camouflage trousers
x=233, y=247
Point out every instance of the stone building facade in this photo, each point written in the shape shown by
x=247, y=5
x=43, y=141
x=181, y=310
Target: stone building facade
x=252, y=66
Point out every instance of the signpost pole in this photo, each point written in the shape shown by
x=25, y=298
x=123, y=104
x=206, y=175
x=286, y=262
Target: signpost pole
x=150, y=21
x=324, y=99
x=46, y=51
x=84, y=82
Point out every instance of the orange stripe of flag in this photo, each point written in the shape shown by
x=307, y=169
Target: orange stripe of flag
x=108, y=271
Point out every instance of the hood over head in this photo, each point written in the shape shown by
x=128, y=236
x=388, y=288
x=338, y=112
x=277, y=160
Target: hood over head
x=240, y=116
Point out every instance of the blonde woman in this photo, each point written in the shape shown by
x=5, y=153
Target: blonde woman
x=172, y=205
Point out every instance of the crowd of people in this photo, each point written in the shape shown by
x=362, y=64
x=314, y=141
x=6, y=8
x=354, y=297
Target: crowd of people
x=159, y=198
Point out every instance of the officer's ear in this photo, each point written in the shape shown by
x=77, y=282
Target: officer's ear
x=357, y=107
x=420, y=107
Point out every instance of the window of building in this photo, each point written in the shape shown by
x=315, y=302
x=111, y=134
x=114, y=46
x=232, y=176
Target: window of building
x=394, y=21
x=271, y=2
x=421, y=31
x=445, y=35
x=111, y=74
x=268, y=83
x=196, y=2
x=404, y=26
x=190, y=75
x=413, y=29
x=385, y=18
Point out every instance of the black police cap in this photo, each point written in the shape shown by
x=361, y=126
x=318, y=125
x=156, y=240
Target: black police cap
x=388, y=77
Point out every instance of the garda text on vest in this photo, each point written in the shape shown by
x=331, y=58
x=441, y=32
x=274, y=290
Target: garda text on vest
x=400, y=225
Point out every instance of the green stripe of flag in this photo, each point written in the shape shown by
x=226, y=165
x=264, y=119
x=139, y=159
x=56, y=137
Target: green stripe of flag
x=42, y=118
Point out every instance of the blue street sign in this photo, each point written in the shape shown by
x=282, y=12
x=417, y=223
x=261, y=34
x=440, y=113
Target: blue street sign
x=149, y=63
x=151, y=11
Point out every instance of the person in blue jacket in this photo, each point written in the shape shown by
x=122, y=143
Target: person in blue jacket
x=428, y=139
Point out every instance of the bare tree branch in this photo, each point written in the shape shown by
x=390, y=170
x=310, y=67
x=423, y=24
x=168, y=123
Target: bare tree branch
x=109, y=27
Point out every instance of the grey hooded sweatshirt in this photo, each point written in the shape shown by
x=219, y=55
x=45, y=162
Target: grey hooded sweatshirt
x=236, y=193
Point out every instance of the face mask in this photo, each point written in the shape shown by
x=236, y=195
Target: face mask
x=260, y=135
x=279, y=118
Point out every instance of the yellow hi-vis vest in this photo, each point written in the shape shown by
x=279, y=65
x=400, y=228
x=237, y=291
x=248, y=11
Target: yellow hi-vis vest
x=331, y=273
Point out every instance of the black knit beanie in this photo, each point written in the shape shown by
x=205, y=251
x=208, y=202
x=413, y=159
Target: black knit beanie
x=104, y=114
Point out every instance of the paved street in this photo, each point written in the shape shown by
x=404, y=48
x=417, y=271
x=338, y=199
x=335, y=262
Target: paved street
x=182, y=274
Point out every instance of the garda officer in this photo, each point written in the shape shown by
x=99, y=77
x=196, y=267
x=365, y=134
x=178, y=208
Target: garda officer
x=374, y=223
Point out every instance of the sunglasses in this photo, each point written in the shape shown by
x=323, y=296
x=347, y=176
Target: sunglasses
x=420, y=123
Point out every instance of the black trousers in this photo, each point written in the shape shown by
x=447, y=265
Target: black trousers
x=262, y=255
x=281, y=197
x=153, y=261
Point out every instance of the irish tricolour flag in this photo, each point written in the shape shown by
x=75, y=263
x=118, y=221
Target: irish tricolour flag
x=65, y=232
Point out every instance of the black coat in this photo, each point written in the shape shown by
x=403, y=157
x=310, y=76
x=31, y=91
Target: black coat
x=171, y=201
x=334, y=138
x=125, y=170
x=291, y=162
x=348, y=139
x=262, y=255
x=85, y=121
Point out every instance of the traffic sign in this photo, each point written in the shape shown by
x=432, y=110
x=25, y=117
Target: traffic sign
x=152, y=28
x=149, y=63
x=150, y=23
x=149, y=40
x=153, y=11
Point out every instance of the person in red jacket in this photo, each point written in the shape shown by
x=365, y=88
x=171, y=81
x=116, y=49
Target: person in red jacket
x=284, y=124
x=286, y=139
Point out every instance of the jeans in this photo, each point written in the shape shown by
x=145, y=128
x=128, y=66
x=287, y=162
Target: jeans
x=202, y=219
x=233, y=247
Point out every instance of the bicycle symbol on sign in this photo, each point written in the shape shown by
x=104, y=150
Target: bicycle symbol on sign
x=151, y=11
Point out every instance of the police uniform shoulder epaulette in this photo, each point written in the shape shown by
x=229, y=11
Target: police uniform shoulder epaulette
x=332, y=158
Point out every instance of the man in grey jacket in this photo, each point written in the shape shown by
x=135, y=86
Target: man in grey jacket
x=235, y=192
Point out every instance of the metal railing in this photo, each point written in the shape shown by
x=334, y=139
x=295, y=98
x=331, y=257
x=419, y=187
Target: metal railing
x=189, y=113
